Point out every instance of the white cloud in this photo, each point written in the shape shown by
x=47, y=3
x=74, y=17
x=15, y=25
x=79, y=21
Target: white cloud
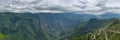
x=57, y=6
x=113, y=3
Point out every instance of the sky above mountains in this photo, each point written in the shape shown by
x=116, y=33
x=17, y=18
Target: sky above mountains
x=60, y=6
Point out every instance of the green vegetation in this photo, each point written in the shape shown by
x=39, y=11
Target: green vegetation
x=28, y=26
x=82, y=37
x=15, y=26
x=110, y=30
x=2, y=36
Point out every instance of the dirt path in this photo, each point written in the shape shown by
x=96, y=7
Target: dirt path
x=104, y=31
x=106, y=35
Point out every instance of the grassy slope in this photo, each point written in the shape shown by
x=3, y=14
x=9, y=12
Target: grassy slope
x=110, y=30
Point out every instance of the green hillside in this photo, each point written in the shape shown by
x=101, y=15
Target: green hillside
x=110, y=30
x=15, y=26
x=27, y=26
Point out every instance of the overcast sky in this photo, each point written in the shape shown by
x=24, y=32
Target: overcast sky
x=60, y=6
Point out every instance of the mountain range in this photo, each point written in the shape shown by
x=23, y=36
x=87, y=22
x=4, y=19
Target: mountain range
x=58, y=26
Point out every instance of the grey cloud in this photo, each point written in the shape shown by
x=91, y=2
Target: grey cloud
x=38, y=5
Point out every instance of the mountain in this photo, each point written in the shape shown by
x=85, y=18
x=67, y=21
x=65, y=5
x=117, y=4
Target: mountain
x=38, y=26
x=109, y=30
x=58, y=26
x=109, y=15
x=14, y=26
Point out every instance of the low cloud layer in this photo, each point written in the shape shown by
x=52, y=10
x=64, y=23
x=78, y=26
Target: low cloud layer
x=59, y=6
